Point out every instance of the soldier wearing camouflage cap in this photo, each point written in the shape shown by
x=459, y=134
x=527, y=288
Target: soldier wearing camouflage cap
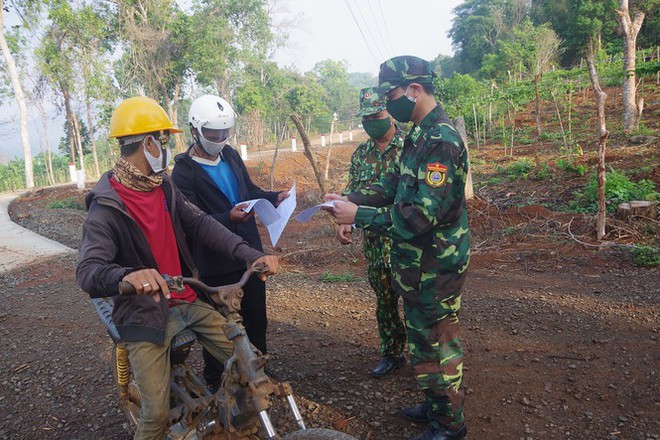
x=370, y=162
x=422, y=208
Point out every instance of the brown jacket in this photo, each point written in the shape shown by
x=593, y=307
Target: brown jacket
x=113, y=245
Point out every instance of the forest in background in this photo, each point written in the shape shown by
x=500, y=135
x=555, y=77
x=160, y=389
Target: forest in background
x=86, y=56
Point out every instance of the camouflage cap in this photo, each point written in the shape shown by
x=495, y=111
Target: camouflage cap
x=402, y=70
x=370, y=102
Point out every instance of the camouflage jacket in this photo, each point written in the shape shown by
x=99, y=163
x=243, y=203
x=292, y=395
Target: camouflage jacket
x=368, y=166
x=421, y=206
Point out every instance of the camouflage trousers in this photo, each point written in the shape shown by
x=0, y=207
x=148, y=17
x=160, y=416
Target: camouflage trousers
x=436, y=354
x=390, y=325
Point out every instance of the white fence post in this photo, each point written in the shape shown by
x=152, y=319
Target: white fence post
x=80, y=179
x=323, y=140
x=72, y=172
x=244, y=155
x=293, y=145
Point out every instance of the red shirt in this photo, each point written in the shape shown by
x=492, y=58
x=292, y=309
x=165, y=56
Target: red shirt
x=149, y=210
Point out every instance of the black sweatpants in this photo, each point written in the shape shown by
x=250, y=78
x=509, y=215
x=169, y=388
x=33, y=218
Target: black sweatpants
x=253, y=311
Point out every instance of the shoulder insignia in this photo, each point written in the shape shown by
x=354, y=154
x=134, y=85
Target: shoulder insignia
x=436, y=175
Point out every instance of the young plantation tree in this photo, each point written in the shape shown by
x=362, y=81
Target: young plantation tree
x=20, y=100
x=546, y=49
x=601, y=96
x=629, y=27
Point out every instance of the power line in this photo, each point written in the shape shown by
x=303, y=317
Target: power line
x=378, y=26
x=373, y=57
x=366, y=25
x=382, y=16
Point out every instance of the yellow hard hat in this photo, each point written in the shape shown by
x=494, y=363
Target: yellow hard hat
x=139, y=115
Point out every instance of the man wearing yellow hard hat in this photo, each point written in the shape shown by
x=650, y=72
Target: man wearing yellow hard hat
x=136, y=229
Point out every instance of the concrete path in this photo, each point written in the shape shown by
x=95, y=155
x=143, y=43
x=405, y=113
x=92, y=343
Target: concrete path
x=19, y=246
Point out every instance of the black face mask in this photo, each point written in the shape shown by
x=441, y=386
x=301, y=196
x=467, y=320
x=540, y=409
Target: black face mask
x=376, y=128
x=402, y=108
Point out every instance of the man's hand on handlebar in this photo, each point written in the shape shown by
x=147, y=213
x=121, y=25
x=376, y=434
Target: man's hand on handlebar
x=273, y=265
x=148, y=282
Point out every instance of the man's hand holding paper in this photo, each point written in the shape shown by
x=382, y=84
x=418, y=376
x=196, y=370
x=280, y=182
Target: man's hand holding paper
x=342, y=210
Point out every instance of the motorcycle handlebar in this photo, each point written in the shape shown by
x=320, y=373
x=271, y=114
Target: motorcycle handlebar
x=177, y=283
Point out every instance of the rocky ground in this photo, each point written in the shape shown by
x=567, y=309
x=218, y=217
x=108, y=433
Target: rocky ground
x=560, y=342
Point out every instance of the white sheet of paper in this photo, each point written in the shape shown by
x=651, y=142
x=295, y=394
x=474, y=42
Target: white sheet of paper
x=306, y=215
x=273, y=219
x=285, y=209
x=264, y=209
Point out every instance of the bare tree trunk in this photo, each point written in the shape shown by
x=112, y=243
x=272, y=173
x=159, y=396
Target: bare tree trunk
x=459, y=123
x=537, y=79
x=476, y=124
x=570, y=110
x=20, y=100
x=78, y=138
x=632, y=108
x=309, y=154
x=601, y=97
x=512, y=116
x=69, y=121
x=561, y=124
x=49, y=157
x=90, y=124
x=278, y=141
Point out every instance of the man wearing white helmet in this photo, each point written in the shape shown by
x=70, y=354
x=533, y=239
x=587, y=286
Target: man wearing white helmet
x=212, y=175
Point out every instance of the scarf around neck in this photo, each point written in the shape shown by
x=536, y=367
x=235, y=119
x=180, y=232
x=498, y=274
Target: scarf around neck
x=131, y=177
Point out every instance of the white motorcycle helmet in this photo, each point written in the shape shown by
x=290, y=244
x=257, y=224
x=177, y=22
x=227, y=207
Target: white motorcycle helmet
x=211, y=116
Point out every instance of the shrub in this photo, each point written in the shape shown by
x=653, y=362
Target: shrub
x=519, y=169
x=648, y=256
x=571, y=166
x=618, y=189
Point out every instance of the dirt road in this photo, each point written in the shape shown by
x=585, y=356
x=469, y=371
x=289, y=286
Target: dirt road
x=564, y=348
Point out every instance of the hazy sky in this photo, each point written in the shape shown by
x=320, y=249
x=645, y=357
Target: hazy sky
x=321, y=29
x=328, y=29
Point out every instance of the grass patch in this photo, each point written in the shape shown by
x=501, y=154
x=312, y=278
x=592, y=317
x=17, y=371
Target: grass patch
x=68, y=203
x=329, y=277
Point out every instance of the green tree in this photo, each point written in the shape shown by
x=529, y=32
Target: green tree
x=341, y=96
x=155, y=37
x=576, y=23
x=56, y=62
x=477, y=28
x=32, y=7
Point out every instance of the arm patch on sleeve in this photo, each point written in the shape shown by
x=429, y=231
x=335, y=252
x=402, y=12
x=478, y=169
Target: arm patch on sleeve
x=436, y=175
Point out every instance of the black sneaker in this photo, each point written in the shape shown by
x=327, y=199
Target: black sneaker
x=418, y=413
x=388, y=364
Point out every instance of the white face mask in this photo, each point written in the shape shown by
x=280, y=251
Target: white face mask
x=212, y=148
x=158, y=164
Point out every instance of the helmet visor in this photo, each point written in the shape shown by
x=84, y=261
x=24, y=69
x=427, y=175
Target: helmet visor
x=214, y=135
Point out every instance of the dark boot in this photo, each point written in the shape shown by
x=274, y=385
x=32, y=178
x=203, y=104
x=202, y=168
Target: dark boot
x=443, y=434
x=388, y=364
x=418, y=413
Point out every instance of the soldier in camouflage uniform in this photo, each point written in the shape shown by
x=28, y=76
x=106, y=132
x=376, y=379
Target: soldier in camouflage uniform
x=422, y=208
x=371, y=160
